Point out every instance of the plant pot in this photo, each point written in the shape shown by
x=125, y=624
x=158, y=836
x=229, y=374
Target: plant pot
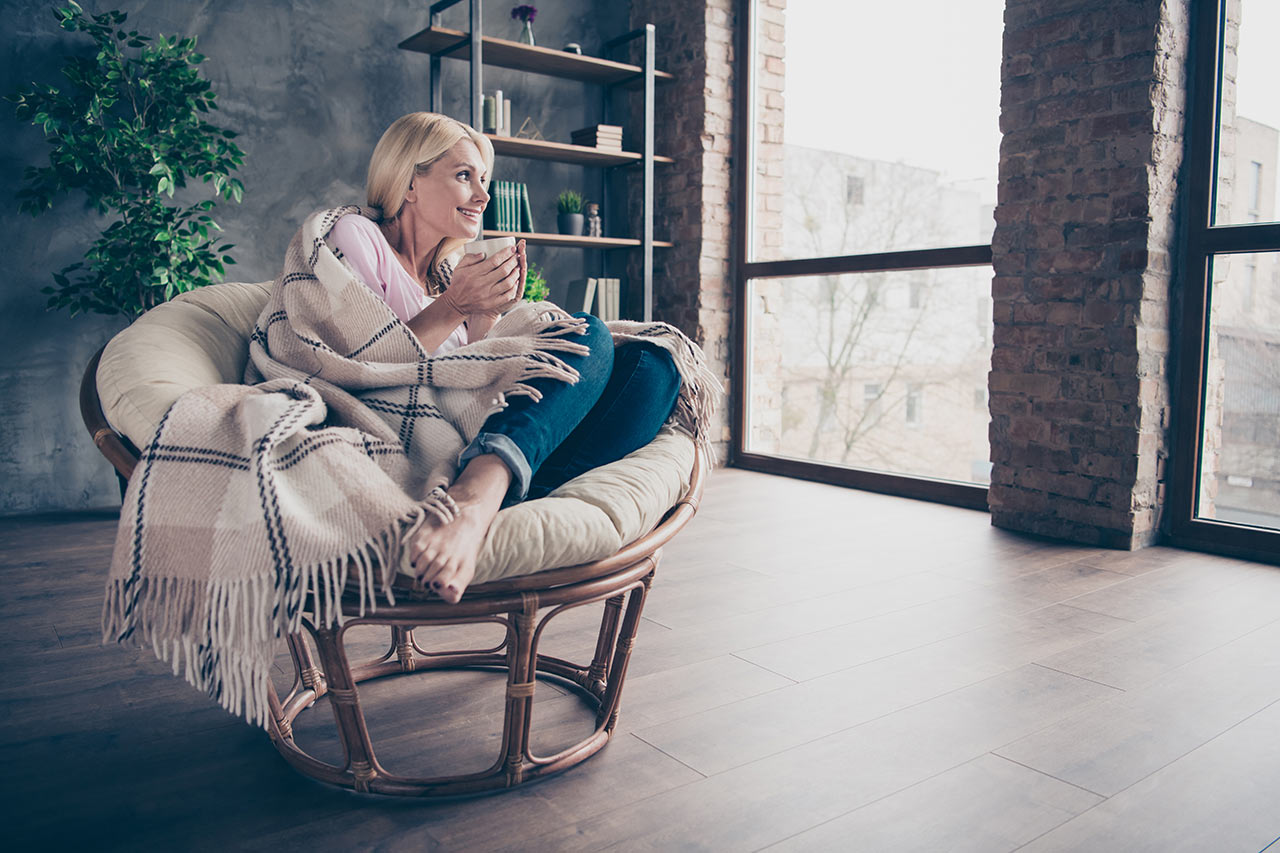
x=570, y=224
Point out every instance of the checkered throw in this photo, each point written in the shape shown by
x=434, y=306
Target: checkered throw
x=253, y=503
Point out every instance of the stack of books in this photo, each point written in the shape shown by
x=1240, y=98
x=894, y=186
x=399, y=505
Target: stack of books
x=606, y=136
x=600, y=296
x=509, y=208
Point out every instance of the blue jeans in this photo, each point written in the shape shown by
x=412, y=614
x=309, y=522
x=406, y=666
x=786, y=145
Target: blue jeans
x=618, y=404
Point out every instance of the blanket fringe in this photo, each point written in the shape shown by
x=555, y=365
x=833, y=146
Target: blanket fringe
x=233, y=665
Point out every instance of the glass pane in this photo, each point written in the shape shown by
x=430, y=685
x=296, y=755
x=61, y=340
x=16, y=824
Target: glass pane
x=866, y=141
x=1249, y=135
x=1240, y=444
x=883, y=371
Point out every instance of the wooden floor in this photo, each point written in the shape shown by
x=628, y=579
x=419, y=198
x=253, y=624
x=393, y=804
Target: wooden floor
x=819, y=669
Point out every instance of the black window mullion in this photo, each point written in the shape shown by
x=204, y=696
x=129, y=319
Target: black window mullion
x=916, y=259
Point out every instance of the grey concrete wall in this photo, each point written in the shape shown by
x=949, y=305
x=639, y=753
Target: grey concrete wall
x=309, y=85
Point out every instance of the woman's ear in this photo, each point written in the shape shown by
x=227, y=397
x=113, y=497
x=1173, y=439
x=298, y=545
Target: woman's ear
x=411, y=195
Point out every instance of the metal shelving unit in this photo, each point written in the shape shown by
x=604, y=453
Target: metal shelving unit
x=478, y=50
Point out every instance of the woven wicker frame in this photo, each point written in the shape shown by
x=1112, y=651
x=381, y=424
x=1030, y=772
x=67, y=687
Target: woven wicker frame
x=522, y=605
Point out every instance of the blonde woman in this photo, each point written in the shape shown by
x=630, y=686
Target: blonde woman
x=428, y=181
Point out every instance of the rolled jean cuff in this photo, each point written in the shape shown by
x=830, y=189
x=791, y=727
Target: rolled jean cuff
x=505, y=449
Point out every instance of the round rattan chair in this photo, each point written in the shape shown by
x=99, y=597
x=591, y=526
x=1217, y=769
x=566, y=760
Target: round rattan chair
x=522, y=605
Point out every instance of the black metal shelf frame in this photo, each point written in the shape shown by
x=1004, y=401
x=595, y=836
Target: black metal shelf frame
x=644, y=78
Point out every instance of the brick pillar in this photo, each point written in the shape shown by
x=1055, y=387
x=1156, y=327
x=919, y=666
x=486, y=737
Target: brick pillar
x=1092, y=115
x=766, y=304
x=692, y=283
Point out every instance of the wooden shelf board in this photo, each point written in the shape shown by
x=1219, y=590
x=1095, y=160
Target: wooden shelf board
x=456, y=44
x=539, y=239
x=541, y=149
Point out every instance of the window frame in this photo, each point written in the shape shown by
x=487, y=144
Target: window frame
x=1201, y=242
x=745, y=271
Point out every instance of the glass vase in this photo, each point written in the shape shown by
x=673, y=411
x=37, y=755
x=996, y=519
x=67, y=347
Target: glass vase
x=526, y=33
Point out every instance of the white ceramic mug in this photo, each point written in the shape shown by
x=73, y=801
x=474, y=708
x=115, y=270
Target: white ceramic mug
x=489, y=247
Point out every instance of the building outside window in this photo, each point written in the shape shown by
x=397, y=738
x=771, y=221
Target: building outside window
x=898, y=213
x=915, y=404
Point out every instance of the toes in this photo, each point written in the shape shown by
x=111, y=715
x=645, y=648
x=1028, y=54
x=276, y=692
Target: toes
x=453, y=582
x=446, y=585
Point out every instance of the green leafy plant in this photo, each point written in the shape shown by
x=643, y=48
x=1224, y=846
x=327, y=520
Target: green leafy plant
x=129, y=130
x=535, y=284
x=569, y=202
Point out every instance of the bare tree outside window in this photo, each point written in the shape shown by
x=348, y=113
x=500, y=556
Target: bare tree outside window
x=859, y=351
x=838, y=363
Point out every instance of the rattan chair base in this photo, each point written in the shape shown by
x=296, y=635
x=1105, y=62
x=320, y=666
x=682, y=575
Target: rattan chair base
x=598, y=682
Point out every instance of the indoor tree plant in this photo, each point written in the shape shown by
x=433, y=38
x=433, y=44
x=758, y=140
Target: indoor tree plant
x=128, y=129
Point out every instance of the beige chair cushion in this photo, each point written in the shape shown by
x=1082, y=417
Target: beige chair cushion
x=196, y=339
x=201, y=338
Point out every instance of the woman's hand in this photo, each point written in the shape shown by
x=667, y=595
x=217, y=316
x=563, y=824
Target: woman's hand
x=487, y=286
x=480, y=322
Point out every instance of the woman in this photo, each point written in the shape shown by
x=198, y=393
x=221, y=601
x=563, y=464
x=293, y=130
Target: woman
x=428, y=180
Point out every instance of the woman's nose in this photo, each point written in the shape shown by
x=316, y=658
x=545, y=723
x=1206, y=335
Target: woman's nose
x=481, y=195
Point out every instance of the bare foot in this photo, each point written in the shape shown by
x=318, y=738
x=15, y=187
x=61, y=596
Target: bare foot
x=443, y=555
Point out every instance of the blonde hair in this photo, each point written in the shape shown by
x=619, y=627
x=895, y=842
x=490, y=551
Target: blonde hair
x=410, y=146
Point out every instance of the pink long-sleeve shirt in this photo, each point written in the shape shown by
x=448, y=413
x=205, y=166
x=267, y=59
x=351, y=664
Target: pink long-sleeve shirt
x=365, y=248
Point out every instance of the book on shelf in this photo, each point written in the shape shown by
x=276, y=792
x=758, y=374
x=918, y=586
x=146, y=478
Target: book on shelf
x=607, y=136
x=608, y=299
x=600, y=296
x=509, y=208
x=526, y=210
x=615, y=298
x=494, y=214
x=580, y=295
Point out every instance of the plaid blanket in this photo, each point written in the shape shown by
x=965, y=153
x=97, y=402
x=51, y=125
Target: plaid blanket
x=252, y=500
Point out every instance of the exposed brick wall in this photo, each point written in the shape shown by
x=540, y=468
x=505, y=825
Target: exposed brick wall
x=1092, y=114
x=692, y=282
x=766, y=402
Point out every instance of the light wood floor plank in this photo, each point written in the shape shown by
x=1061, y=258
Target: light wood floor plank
x=1221, y=797
x=1110, y=747
x=985, y=806
x=1134, y=655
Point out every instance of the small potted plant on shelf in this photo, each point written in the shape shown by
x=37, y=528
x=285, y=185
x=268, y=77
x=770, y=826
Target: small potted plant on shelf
x=569, y=219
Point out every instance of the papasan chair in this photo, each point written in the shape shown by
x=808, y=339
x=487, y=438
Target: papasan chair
x=596, y=540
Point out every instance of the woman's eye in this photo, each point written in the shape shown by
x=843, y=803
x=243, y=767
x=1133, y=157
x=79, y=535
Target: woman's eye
x=464, y=175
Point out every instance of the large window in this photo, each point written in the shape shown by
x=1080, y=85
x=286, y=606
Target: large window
x=1227, y=458
x=869, y=182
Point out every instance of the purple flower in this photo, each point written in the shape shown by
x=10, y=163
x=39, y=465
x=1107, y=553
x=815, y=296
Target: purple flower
x=525, y=13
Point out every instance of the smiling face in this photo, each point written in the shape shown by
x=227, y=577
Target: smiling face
x=448, y=200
